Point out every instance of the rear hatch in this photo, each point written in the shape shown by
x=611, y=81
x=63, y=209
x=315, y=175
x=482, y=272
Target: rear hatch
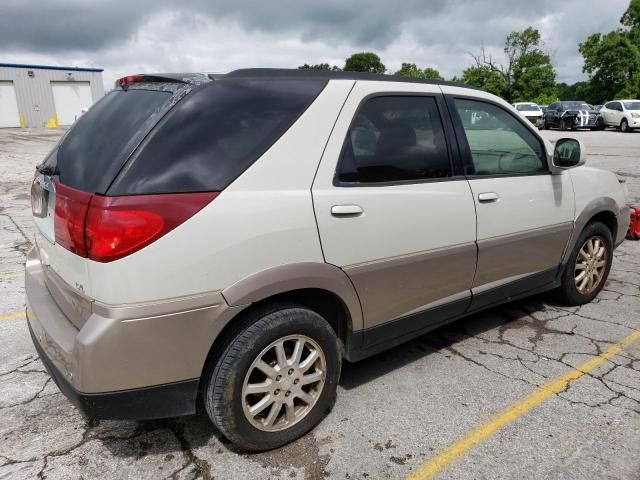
x=85, y=162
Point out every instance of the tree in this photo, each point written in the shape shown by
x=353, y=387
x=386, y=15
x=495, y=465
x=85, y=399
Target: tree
x=320, y=66
x=410, y=70
x=485, y=77
x=364, y=62
x=527, y=74
x=612, y=60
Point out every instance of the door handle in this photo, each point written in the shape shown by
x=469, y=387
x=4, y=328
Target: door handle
x=487, y=197
x=346, y=210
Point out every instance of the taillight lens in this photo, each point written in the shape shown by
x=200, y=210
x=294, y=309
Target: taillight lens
x=119, y=226
x=70, y=213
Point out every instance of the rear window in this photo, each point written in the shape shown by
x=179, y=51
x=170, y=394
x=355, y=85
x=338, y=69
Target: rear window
x=215, y=134
x=100, y=142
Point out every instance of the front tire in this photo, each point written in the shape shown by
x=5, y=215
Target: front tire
x=588, y=267
x=275, y=380
x=624, y=126
x=565, y=124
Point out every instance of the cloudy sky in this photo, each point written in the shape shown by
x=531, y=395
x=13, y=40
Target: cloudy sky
x=131, y=36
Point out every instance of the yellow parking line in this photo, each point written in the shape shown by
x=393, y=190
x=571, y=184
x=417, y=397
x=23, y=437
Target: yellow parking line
x=484, y=431
x=13, y=315
x=6, y=276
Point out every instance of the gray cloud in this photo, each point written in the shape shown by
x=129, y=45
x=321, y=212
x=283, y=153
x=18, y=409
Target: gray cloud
x=437, y=33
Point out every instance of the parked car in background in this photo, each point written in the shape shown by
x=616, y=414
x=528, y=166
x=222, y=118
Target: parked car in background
x=233, y=239
x=531, y=112
x=597, y=107
x=569, y=115
x=624, y=114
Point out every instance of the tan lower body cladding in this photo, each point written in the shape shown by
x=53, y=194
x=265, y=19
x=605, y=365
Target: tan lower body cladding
x=393, y=288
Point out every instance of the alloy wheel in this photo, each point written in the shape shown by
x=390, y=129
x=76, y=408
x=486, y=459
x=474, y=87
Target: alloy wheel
x=283, y=383
x=591, y=264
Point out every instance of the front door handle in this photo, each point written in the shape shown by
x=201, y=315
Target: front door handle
x=346, y=210
x=487, y=197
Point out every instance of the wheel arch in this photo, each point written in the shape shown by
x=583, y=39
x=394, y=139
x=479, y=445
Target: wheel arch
x=321, y=287
x=598, y=210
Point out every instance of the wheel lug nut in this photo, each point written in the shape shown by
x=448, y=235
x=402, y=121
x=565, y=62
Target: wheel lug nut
x=276, y=391
x=290, y=371
x=296, y=381
x=278, y=378
x=287, y=394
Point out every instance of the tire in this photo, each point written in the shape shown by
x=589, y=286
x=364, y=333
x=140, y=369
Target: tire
x=624, y=126
x=569, y=291
x=235, y=370
x=565, y=124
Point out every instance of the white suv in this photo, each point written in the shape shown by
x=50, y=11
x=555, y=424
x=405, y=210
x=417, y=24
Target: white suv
x=233, y=238
x=624, y=114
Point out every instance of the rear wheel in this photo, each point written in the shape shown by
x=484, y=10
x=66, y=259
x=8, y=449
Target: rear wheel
x=276, y=379
x=588, y=267
x=624, y=126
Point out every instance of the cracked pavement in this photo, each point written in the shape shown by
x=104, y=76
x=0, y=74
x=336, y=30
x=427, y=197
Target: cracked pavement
x=394, y=410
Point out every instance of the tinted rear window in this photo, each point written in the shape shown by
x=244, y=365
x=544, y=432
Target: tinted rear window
x=215, y=134
x=99, y=143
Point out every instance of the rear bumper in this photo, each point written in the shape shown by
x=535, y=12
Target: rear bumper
x=160, y=401
x=127, y=361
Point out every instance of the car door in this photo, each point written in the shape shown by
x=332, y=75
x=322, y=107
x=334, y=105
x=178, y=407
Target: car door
x=394, y=211
x=618, y=113
x=525, y=214
x=607, y=113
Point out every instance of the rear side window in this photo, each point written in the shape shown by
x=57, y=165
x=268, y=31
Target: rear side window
x=100, y=142
x=215, y=134
x=395, y=138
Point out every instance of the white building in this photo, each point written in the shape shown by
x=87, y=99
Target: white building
x=46, y=96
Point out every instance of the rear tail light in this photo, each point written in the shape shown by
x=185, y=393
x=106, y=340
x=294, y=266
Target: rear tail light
x=119, y=226
x=68, y=222
x=108, y=228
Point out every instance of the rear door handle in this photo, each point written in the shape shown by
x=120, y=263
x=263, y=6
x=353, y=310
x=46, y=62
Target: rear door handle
x=346, y=210
x=487, y=197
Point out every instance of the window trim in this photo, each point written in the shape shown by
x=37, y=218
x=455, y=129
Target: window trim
x=447, y=128
x=465, y=149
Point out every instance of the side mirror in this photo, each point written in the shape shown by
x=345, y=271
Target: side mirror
x=569, y=153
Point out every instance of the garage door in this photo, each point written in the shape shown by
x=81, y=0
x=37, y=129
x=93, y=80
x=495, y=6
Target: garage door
x=70, y=98
x=9, y=115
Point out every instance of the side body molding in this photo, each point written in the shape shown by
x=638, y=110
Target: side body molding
x=296, y=276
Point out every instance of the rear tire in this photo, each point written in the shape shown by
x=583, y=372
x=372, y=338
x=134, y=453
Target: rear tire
x=588, y=266
x=270, y=341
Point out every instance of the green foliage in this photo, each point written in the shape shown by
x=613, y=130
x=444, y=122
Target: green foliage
x=364, y=62
x=410, y=70
x=526, y=75
x=612, y=60
x=532, y=75
x=485, y=77
x=576, y=91
x=320, y=66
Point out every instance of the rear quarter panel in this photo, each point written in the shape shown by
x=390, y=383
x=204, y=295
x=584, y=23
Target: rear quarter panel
x=262, y=220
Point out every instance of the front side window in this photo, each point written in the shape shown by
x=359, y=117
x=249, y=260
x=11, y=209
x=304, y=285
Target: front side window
x=499, y=144
x=395, y=138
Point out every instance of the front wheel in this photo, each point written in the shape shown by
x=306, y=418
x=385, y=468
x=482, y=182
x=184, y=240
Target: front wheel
x=624, y=126
x=276, y=379
x=588, y=267
x=565, y=124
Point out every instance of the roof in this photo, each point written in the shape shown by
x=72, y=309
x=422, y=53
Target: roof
x=331, y=75
x=51, y=67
